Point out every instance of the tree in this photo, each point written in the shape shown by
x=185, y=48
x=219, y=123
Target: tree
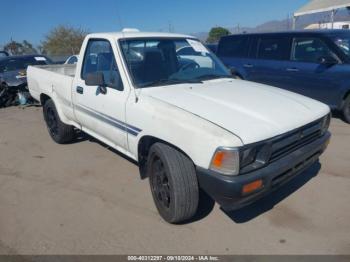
x=17, y=48
x=14, y=48
x=63, y=40
x=216, y=33
x=28, y=48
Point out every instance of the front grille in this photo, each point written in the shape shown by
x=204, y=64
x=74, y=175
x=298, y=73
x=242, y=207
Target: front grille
x=286, y=144
x=276, y=181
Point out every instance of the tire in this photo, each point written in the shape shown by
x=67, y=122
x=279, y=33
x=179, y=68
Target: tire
x=59, y=132
x=346, y=110
x=173, y=183
x=3, y=95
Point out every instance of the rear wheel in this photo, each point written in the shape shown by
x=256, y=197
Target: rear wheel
x=346, y=110
x=59, y=132
x=173, y=183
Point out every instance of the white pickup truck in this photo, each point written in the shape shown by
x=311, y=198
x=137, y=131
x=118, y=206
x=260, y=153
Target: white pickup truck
x=186, y=121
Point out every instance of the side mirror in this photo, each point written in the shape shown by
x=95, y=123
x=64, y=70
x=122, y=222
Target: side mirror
x=96, y=79
x=328, y=60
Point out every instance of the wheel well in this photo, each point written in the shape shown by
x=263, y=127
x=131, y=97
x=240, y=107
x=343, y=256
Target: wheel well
x=240, y=76
x=143, y=148
x=44, y=98
x=342, y=103
x=234, y=72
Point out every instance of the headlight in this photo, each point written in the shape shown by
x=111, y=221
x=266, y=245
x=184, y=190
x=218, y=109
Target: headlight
x=325, y=123
x=226, y=161
x=255, y=156
x=248, y=156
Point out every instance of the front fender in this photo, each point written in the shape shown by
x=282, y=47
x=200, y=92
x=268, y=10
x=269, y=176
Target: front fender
x=195, y=136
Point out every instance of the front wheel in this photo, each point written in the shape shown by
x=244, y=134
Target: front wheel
x=173, y=183
x=59, y=131
x=346, y=110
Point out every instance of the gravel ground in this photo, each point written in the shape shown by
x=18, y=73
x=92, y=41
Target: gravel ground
x=86, y=199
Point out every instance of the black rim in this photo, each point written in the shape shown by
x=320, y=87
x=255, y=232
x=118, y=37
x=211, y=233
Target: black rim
x=160, y=183
x=51, y=121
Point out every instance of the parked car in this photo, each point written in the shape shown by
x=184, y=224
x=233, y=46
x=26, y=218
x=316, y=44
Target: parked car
x=3, y=54
x=72, y=60
x=13, y=77
x=311, y=63
x=187, y=125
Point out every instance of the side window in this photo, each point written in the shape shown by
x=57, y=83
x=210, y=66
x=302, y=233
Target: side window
x=73, y=60
x=234, y=46
x=273, y=48
x=99, y=57
x=306, y=49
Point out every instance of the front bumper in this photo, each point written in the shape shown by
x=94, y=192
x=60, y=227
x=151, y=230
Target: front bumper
x=227, y=190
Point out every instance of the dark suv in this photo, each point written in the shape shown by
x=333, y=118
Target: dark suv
x=312, y=63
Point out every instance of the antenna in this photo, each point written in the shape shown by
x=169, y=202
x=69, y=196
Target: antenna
x=123, y=31
x=119, y=18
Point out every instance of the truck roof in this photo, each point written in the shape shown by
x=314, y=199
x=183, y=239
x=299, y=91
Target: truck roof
x=120, y=35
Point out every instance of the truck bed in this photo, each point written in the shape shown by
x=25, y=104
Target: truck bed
x=68, y=70
x=56, y=82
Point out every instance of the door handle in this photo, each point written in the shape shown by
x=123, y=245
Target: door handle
x=292, y=69
x=248, y=65
x=80, y=90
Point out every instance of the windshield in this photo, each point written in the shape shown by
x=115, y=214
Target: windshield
x=343, y=42
x=14, y=64
x=162, y=61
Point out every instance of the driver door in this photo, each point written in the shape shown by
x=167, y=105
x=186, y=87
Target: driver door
x=101, y=114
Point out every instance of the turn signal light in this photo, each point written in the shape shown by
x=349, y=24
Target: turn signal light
x=226, y=161
x=251, y=187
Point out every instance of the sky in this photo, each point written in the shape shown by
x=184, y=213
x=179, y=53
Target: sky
x=32, y=19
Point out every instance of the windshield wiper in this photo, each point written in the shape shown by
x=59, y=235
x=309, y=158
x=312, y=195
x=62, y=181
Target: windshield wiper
x=213, y=76
x=171, y=82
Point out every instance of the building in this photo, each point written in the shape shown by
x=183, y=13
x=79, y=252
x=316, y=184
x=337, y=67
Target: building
x=319, y=6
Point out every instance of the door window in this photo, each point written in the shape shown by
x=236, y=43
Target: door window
x=237, y=46
x=273, y=48
x=306, y=49
x=99, y=57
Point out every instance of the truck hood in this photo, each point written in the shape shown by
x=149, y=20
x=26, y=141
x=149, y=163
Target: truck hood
x=251, y=111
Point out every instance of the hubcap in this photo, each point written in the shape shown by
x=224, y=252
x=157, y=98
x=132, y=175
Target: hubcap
x=52, y=121
x=160, y=183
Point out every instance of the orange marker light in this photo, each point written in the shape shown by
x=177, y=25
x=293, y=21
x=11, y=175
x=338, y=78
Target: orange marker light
x=226, y=161
x=218, y=159
x=253, y=186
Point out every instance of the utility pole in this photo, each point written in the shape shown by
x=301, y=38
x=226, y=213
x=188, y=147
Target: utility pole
x=294, y=22
x=332, y=18
x=170, y=27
